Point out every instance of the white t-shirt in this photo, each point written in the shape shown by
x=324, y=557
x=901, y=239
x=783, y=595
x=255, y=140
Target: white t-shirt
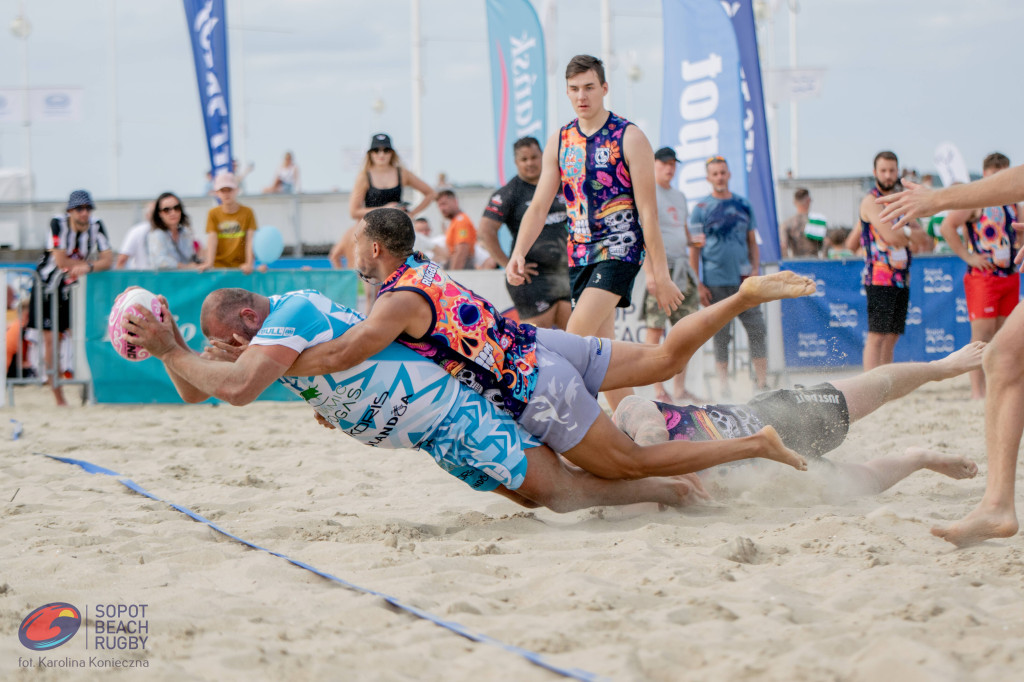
x=672, y=214
x=134, y=246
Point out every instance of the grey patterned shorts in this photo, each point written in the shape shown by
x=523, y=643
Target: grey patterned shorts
x=564, y=405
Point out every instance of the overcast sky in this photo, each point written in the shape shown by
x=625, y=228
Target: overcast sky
x=904, y=75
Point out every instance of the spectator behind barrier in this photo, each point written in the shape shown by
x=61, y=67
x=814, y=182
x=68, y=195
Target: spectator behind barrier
x=78, y=245
x=134, y=254
x=460, y=236
x=229, y=230
x=170, y=243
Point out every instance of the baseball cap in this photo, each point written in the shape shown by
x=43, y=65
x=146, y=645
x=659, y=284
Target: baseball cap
x=224, y=179
x=79, y=198
x=380, y=141
x=666, y=154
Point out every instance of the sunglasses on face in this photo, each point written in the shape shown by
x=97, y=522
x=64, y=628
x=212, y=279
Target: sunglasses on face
x=385, y=150
x=168, y=209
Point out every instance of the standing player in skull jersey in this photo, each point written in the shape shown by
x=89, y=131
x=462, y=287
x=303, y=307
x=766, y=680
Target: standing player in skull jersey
x=605, y=168
x=543, y=299
x=992, y=283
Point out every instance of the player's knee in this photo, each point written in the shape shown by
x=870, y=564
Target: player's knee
x=1001, y=358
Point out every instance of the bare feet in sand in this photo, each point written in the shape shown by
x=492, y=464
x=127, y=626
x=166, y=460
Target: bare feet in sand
x=954, y=466
x=784, y=284
x=962, y=361
x=984, y=523
x=778, y=452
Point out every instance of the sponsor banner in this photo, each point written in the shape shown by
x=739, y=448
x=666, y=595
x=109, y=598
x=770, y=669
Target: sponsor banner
x=518, y=78
x=757, y=149
x=12, y=105
x=702, y=110
x=207, y=27
x=714, y=105
x=829, y=328
x=796, y=84
x=116, y=380
x=56, y=104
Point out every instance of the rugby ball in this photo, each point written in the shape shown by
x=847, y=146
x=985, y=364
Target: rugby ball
x=123, y=304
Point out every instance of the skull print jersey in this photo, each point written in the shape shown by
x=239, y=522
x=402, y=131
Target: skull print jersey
x=603, y=221
x=992, y=235
x=710, y=422
x=885, y=265
x=469, y=338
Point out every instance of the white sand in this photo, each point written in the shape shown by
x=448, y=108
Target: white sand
x=784, y=583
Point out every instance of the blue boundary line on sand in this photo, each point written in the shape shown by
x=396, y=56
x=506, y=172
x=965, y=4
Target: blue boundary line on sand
x=532, y=657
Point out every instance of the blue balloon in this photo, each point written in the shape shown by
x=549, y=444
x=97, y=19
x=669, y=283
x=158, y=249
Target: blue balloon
x=268, y=244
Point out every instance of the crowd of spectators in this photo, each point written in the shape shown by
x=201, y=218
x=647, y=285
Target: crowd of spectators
x=717, y=242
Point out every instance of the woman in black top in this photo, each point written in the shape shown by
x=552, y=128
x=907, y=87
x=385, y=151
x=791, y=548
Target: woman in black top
x=382, y=180
x=379, y=184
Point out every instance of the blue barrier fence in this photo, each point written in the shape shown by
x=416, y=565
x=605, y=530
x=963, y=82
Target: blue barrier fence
x=115, y=380
x=829, y=328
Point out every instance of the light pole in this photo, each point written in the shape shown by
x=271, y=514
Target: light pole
x=21, y=29
x=794, y=111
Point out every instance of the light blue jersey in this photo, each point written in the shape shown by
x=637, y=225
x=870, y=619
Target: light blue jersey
x=397, y=398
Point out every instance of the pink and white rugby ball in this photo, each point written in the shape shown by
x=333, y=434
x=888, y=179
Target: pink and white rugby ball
x=123, y=304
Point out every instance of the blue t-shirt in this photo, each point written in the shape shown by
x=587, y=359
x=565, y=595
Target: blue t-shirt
x=394, y=399
x=725, y=223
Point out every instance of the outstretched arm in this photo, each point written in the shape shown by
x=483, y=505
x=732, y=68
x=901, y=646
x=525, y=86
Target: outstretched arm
x=393, y=313
x=238, y=383
x=1006, y=187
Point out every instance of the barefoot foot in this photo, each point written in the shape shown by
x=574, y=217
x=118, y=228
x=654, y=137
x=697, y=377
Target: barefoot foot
x=954, y=466
x=962, y=361
x=778, y=452
x=784, y=284
x=984, y=523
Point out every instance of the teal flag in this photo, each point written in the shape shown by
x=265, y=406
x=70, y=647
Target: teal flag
x=116, y=380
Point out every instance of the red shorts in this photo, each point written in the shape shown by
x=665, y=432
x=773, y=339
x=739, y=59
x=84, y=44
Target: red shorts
x=989, y=296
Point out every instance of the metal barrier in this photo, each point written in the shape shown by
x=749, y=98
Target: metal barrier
x=24, y=374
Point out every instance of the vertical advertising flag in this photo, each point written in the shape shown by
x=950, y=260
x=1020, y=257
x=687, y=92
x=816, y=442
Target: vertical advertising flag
x=207, y=26
x=518, y=79
x=702, y=111
x=714, y=105
x=757, y=159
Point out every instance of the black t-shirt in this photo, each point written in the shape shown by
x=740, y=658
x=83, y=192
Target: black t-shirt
x=508, y=205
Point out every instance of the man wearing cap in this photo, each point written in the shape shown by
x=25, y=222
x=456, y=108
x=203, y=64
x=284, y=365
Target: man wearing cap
x=78, y=245
x=795, y=239
x=672, y=215
x=729, y=255
x=229, y=229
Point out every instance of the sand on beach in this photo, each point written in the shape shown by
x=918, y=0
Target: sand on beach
x=788, y=580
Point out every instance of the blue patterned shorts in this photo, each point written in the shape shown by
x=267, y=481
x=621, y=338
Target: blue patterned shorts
x=479, y=444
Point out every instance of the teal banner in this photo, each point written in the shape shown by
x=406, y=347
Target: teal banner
x=116, y=380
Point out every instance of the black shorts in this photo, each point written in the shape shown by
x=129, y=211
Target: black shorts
x=887, y=309
x=616, y=276
x=63, y=310
x=812, y=421
x=544, y=290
